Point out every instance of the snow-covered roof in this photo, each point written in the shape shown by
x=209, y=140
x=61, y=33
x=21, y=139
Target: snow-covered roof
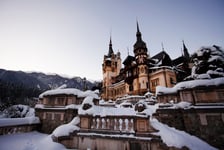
x=189, y=85
x=69, y=91
x=70, y=106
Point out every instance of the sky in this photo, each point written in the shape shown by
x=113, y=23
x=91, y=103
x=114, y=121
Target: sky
x=70, y=37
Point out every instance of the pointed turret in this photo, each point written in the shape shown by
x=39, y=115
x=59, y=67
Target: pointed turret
x=110, y=52
x=139, y=44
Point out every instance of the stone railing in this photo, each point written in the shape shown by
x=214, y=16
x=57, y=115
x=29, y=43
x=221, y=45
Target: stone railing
x=119, y=124
x=138, y=125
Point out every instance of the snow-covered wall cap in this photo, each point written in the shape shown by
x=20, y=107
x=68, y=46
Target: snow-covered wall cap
x=69, y=91
x=107, y=111
x=189, y=85
x=18, y=121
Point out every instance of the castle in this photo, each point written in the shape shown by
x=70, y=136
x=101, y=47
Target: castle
x=141, y=73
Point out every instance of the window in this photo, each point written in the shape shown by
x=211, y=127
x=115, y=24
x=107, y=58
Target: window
x=60, y=100
x=130, y=88
x=172, y=81
x=57, y=116
x=49, y=116
x=155, y=82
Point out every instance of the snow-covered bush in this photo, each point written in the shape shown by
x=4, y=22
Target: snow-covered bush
x=208, y=63
x=87, y=106
x=140, y=106
x=18, y=111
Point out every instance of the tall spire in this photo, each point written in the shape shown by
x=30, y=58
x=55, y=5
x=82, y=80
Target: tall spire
x=110, y=42
x=162, y=47
x=138, y=34
x=110, y=52
x=185, y=51
x=137, y=27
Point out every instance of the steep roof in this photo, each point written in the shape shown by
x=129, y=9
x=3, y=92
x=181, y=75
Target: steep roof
x=128, y=60
x=178, y=60
x=162, y=59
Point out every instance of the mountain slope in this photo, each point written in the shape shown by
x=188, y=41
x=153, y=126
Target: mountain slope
x=18, y=87
x=21, y=78
x=43, y=81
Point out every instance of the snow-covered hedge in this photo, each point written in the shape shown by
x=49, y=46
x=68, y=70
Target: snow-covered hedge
x=18, y=111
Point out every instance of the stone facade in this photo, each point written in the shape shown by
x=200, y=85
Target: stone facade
x=52, y=118
x=54, y=112
x=205, y=122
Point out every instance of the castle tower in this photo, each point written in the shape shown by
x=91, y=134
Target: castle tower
x=140, y=84
x=111, y=68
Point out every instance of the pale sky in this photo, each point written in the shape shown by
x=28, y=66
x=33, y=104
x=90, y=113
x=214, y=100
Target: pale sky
x=70, y=37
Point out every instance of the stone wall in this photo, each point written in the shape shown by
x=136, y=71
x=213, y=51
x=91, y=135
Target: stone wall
x=205, y=94
x=52, y=118
x=166, y=98
x=85, y=141
x=206, y=122
x=100, y=143
x=18, y=128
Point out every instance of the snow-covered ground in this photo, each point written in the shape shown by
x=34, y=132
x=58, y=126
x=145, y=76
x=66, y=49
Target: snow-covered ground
x=177, y=138
x=38, y=141
x=29, y=141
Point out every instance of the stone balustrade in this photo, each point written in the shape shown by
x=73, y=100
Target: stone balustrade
x=116, y=124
